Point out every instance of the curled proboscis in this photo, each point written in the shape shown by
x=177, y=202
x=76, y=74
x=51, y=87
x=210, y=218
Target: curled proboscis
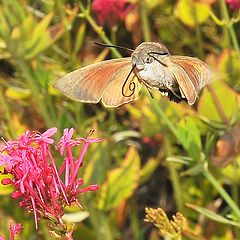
x=130, y=87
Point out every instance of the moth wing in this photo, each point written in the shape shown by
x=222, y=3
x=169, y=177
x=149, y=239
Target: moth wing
x=191, y=74
x=88, y=84
x=117, y=92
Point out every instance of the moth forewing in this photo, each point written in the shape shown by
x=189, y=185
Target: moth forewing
x=88, y=84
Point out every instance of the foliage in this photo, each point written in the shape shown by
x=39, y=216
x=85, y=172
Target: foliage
x=154, y=153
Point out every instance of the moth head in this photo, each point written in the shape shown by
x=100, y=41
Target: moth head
x=147, y=52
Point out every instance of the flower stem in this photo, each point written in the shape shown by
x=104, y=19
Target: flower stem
x=163, y=116
x=145, y=23
x=235, y=194
x=7, y=114
x=99, y=30
x=133, y=215
x=222, y=192
x=230, y=27
x=175, y=180
x=100, y=222
x=209, y=87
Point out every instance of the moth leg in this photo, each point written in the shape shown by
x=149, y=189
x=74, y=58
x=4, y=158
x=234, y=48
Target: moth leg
x=173, y=94
x=163, y=91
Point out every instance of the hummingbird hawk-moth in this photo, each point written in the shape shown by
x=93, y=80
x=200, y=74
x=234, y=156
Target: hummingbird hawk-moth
x=118, y=81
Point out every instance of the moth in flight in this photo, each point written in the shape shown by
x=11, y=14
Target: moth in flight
x=118, y=81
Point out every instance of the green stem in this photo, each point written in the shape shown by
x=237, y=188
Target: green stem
x=235, y=194
x=202, y=56
x=7, y=114
x=100, y=223
x=198, y=32
x=222, y=192
x=114, y=30
x=163, y=116
x=145, y=23
x=199, y=39
x=230, y=27
x=175, y=180
x=99, y=30
x=35, y=93
x=135, y=226
x=206, y=173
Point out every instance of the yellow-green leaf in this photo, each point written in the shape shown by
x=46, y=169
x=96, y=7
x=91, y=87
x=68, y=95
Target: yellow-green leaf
x=75, y=217
x=5, y=189
x=121, y=182
x=39, y=30
x=17, y=93
x=191, y=12
x=228, y=99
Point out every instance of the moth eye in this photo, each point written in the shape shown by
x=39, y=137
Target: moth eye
x=149, y=60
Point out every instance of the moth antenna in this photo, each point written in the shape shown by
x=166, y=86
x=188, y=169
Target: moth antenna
x=150, y=93
x=114, y=46
x=132, y=85
x=159, y=53
x=157, y=59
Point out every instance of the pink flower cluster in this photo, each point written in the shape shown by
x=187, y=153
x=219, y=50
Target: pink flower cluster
x=233, y=4
x=40, y=186
x=111, y=11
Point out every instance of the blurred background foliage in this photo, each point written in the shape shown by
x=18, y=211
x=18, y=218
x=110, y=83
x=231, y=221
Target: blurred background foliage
x=154, y=153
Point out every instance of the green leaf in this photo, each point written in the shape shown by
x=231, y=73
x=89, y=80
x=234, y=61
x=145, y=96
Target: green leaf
x=80, y=38
x=148, y=169
x=193, y=171
x=189, y=136
x=5, y=28
x=75, y=217
x=41, y=38
x=212, y=215
x=232, y=172
x=180, y=159
x=39, y=31
x=228, y=99
x=121, y=182
x=192, y=12
x=96, y=169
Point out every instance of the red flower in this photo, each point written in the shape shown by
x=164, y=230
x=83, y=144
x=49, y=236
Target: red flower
x=233, y=4
x=111, y=11
x=38, y=182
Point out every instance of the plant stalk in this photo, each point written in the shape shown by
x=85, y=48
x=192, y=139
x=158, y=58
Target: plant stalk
x=99, y=30
x=230, y=27
x=222, y=192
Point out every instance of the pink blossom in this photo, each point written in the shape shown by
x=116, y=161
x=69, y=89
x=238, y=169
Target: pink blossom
x=14, y=229
x=233, y=4
x=39, y=184
x=111, y=11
